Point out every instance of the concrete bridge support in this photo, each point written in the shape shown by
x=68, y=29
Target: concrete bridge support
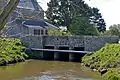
x=58, y=56
x=71, y=57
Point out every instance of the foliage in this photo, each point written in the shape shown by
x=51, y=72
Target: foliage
x=81, y=26
x=98, y=20
x=11, y=50
x=58, y=32
x=7, y=11
x=112, y=74
x=106, y=58
x=63, y=12
x=113, y=30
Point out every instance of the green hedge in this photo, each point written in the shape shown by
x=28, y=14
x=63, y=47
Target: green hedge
x=106, y=58
x=11, y=51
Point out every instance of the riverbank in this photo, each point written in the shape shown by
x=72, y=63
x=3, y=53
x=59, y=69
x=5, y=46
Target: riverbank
x=106, y=61
x=11, y=51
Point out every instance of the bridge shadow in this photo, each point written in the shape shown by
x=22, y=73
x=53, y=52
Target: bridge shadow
x=57, y=56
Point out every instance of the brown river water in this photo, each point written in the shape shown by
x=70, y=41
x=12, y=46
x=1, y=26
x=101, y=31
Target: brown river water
x=47, y=70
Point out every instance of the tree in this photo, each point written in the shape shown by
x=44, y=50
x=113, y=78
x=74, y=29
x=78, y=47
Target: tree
x=7, y=11
x=114, y=30
x=62, y=12
x=81, y=26
x=98, y=20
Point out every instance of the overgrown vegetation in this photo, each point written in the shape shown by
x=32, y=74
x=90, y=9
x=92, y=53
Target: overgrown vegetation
x=11, y=51
x=58, y=32
x=106, y=61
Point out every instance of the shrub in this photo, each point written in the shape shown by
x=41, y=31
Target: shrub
x=11, y=50
x=58, y=32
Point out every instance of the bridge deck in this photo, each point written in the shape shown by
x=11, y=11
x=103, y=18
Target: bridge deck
x=67, y=51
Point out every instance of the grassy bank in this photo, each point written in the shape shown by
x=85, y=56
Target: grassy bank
x=11, y=51
x=106, y=61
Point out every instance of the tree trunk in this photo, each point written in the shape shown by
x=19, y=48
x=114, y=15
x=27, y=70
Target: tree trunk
x=7, y=11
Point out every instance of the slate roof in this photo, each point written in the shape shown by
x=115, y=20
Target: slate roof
x=30, y=4
x=35, y=23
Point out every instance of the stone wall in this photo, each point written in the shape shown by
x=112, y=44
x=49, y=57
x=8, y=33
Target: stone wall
x=93, y=43
x=64, y=41
x=90, y=43
x=33, y=41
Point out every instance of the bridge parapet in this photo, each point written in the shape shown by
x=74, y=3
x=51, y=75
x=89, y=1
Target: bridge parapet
x=70, y=41
x=89, y=43
x=33, y=41
x=93, y=43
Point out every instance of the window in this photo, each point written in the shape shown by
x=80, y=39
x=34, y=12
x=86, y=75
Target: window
x=36, y=31
x=46, y=32
x=42, y=32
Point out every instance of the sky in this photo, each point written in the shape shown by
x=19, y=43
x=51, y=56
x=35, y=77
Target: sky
x=108, y=8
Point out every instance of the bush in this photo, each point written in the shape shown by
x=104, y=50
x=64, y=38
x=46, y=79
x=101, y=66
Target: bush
x=112, y=74
x=11, y=50
x=58, y=32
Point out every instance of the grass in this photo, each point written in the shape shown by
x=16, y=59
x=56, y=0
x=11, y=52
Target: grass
x=106, y=58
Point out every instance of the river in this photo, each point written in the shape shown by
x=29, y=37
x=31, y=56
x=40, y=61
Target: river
x=47, y=70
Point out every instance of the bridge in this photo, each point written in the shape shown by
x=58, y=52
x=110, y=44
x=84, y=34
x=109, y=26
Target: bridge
x=65, y=48
x=60, y=55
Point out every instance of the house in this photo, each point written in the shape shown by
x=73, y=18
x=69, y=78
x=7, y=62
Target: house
x=29, y=27
x=27, y=19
